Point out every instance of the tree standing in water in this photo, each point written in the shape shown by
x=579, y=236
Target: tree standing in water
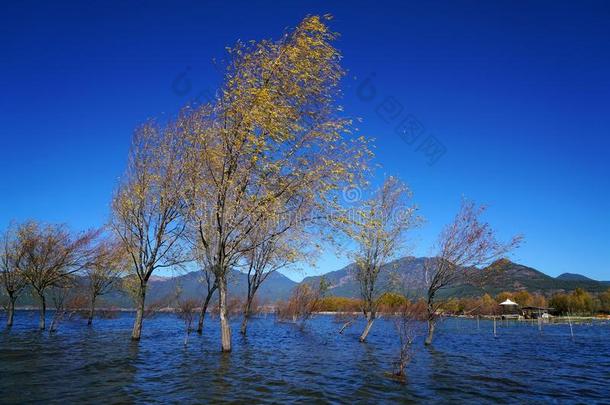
x=108, y=263
x=12, y=279
x=269, y=254
x=147, y=208
x=302, y=303
x=271, y=144
x=464, y=244
x=407, y=323
x=378, y=227
x=49, y=255
x=186, y=312
x=60, y=293
x=209, y=281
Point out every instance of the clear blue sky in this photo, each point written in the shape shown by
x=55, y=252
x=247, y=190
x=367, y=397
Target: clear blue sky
x=518, y=93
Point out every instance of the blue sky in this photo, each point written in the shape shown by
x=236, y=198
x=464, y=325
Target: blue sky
x=516, y=94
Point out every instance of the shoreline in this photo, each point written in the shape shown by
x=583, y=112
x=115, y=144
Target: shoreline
x=553, y=319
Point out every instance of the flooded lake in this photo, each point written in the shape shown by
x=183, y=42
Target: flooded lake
x=280, y=363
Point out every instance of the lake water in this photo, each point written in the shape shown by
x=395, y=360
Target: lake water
x=280, y=363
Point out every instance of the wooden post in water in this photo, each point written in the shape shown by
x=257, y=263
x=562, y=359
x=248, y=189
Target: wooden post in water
x=571, y=330
x=495, y=335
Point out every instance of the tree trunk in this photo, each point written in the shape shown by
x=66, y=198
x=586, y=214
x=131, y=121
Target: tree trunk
x=370, y=318
x=431, y=327
x=91, y=311
x=10, y=312
x=54, y=320
x=137, y=325
x=204, y=309
x=225, y=328
x=43, y=312
x=345, y=326
x=244, y=322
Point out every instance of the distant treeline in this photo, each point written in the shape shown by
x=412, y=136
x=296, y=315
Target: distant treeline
x=578, y=302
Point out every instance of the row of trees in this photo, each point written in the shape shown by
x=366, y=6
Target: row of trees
x=580, y=302
x=46, y=258
x=464, y=246
x=253, y=181
x=577, y=302
x=247, y=181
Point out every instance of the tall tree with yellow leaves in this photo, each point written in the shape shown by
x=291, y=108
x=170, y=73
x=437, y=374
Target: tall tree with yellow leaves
x=272, y=145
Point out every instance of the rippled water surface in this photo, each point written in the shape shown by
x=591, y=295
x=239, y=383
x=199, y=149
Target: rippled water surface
x=278, y=362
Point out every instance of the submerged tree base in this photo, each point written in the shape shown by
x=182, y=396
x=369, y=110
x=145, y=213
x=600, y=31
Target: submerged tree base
x=398, y=377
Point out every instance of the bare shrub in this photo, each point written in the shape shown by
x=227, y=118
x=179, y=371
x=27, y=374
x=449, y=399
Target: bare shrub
x=408, y=325
x=186, y=312
x=59, y=297
x=301, y=305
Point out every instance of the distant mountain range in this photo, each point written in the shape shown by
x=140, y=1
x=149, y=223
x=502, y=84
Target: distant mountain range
x=163, y=290
x=503, y=275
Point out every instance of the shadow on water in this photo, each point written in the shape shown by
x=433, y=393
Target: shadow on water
x=281, y=362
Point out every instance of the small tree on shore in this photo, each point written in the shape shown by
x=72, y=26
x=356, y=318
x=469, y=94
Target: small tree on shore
x=379, y=228
x=463, y=245
x=604, y=299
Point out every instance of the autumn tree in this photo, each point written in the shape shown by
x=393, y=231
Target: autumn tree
x=465, y=244
x=12, y=278
x=107, y=265
x=147, y=208
x=378, y=227
x=604, y=299
x=487, y=305
x=50, y=255
x=577, y=302
x=271, y=144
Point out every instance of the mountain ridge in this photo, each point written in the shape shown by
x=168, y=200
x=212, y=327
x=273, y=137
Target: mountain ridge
x=503, y=275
